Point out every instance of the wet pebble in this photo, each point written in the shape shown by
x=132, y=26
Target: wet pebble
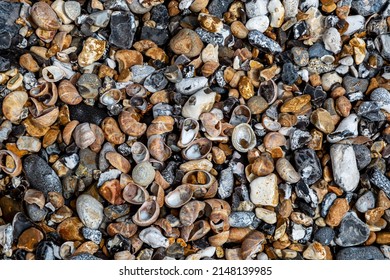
x=90, y=211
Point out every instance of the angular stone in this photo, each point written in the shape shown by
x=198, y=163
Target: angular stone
x=336, y=212
x=264, y=191
x=157, y=35
x=345, y=170
x=123, y=28
x=352, y=231
x=352, y=84
x=189, y=86
x=5, y=64
x=368, y=7
x=363, y=156
x=360, y=253
x=289, y=74
x=264, y=43
x=241, y=219
x=348, y=128
x=219, y=7
x=332, y=40
x=365, y=202
x=322, y=120
x=40, y=175
x=226, y=183
x=355, y=23
x=90, y=211
x=380, y=180
x=308, y=165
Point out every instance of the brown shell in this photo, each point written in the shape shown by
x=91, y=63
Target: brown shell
x=48, y=117
x=219, y=239
x=219, y=221
x=191, y=211
x=147, y=214
x=67, y=132
x=135, y=194
x=83, y=135
x=252, y=244
x=44, y=16
x=112, y=133
x=118, y=161
x=99, y=135
x=68, y=93
x=16, y=167
x=158, y=149
x=13, y=105
x=130, y=125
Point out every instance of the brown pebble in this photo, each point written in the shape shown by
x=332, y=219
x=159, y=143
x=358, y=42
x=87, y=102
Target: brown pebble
x=383, y=200
x=245, y=87
x=371, y=239
x=373, y=215
x=186, y=42
x=383, y=238
x=127, y=230
x=257, y=104
x=285, y=208
x=28, y=62
x=239, y=30
x=29, y=239
x=343, y=106
x=295, y=104
x=263, y=165
x=336, y=212
x=118, y=161
x=69, y=229
x=87, y=247
x=322, y=120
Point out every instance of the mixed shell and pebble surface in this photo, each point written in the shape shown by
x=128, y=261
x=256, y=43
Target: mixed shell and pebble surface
x=195, y=129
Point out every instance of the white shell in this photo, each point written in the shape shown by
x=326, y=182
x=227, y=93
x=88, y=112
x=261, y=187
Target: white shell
x=153, y=237
x=52, y=74
x=243, y=138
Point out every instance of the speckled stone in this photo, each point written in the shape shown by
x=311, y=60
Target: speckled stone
x=264, y=43
x=380, y=180
x=368, y=7
x=360, y=253
x=352, y=231
x=90, y=211
x=324, y=235
x=308, y=165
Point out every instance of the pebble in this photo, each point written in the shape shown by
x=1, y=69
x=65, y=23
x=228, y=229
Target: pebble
x=336, y=212
x=381, y=181
x=90, y=211
x=255, y=8
x=85, y=113
x=329, y=79
x=257, y=104
x=226, y=183
x=308, y=165
x=157, y=35
x=264, y=191
x=264, y=43
x=345, y=170
x=360, y=253
x=352, y=84
x=241, y=219
x=348, y=128
x=355, y=23
x=315, y=251
x=92, y=234
x=219, y=7
x=259, y=23
x=5, y=63
x=189, y=86
x=367, y=7
x=27, y=143
x=72, y=9
x=289, y=74
x=352, y=231
x=40, y=175
x=186, y=42
x=332, y=40
x=322, y=120
x=363, y=156
x=324, y=235
x=290, y=8
x=9, y=13
x=286, y=171
x=300, y=56
x=123, y=28
x=266, y=215
x=277, y=11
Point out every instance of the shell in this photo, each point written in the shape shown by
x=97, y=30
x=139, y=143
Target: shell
x=118, y=161
x=45, y=92
x=211, y=124
x=32, y=196
x=13, y=105
x=143, y=173
x=196, y=231
x=67, y=132
x=202, y=183
x=269, y=91
x=160, y=125
x=243, y=138
x=68, y=93
x=129, y=124
x=135, y=194
x=219, y=239
x=241, y=114
x=188, y=132
x=136, y=90
x=140, y=152
x=44, y=16
x=52, y=74
x=83, y=135
x=198, y=103
x=110, y=97
x=219, y=220
x=158, y=149
x=198, y=149
x=147, y=214
x=28, y=62
x=191, y=211
x=67, y=249
x=99, y=134
x=179, y=196
x=16, y=167
x=47, y=117
x=111, y=131
x=15, y=82
x=215, y=204
x=252, y=244
x=153, y=237
x=263, y=165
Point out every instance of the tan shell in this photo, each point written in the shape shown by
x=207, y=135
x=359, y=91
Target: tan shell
x=211, y=124
x=130, y=125
x=219, y=220
x=160, y=125
x=112, y=133
x=147, y=214
x=68, y=93
x=83, y=135
x=111, y=97
x=140, y=152
x=46, y=92
x=158, y=149
x=191, y=211
x=203, y=184
x=198, y=149
x=188, y=132
x=44, y=16
x=67, y=132
x=47, y=117
x=243, y=138
x=32, y=196
x=195, y=231
x=99, y=135
x=28, y=62
x=179, y=196
x=118, y=161
x=219, y=239
x=13, y=105
x=16, y=166
x=252, y=244
x=135, y=194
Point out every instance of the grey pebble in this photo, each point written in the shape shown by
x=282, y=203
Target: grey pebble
x=324, y=235
x=365, y=202
x=352, y=231
x=241, y=219
x=360, y=253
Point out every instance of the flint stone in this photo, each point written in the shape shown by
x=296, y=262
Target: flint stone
x=368, y=7
x=90, y=211
x=324, y=235
x=345, y=170
x=88, y=163
x=264, y=191
x=123, y=28
x=210, y=37
x=360, y=253
x=352, y=84
x=352, y=231
x=9, y=13
x=363, y=156
x=255, y=8
x=241, y=219
x=382, y=43
x=226, y=183
x=365, y=202
x=379, y=180
x=189, y=86
x=348, y=128
x=327, y=202
x=289, y=74
x=219, y=7
x=308, y=165
x=157, y=35
x=355, y=24
x=264, y=43
x=5, y=64
x=160, y=15
x=92, y=234
x=140, y=72
x=40, y=175
x=85, y=113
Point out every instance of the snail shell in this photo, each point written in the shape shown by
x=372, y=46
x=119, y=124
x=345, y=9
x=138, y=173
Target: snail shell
x=68, y=93
x=153, y=237
x=252, y=244
x=68, y=131
x=191, y=211
x=219, y=239
x=188, y=132
x=241, y=114
x=243, y=138
x=135, y=194
x=130, y=125
x=198, y=149
x=13, y=105
x=179, y=196
x=47, y=117
x=211, y=124
x=45, y=92
x=83, y=135
x=198, y=103
x=110, y=97
x=158, y=149
x=17, y=163
x=269, y=91
x=202, y=183
x=52, y=74
x=44, y=16
x=160, y=125
x=143, y=173
x=140, y=152
x=147, y=214
x=32, y=196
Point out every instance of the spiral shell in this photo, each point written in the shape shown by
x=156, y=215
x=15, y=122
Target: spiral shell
x=68, y=93
x=198, y=149
x=135, y=194
x=158, y=149
x=147, y=214
x=83, y=135
x=188, y=132
x=129, y=124
x=16, y=166
x=191, y=211
x=13, y=105
x=179, y=196
x=52, y=74
x=140, y=152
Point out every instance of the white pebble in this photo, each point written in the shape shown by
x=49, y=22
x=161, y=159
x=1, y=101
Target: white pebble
x=276, y=10
x=355, y=24
x=255, y=8
x=259, y=23
x=332, y=40
x=290, y=8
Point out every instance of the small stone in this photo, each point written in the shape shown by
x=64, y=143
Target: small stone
x=28, y=143
x=238, y=30
x=299, y=138
x=266, y=215
x=40, y=175
x=90, y=211
x=352, y=84
x=295, y=104
x=289, y=74
x=286, y=171
x=85, y=113
x=318, y=50
x=259, y=23
x=363, y=156
x=322, y=120
x=257, y=104
x=264, y=43
x=367, y=7
x=345, y=170
x=226, y=183
x=264, y=191
x=245, y=87
x=88, y=85
x=5, y=63
x=324, y=235
x=186, y=42
x=85, y=257
x=352, y=231
x=382, y=43
x=241, y=219
x=329, y=79
x=277, y=12
x=72, y=9
x=101, y=18
x=255, y=8
x=189, y=86
x=336, y=212
x=157, y=35
x=308, y=165
x=69, y=229
x=300, y=56
x=314, y=251
x=332, y=40
x=93, y=50
x=348, y=128
x=355, y=23
x=123, y=28
x=29, y=239
x=219, y=7
x=381, y=181
x=360, y=253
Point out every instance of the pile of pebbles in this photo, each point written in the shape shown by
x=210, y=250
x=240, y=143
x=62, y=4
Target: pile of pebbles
x=195, y=129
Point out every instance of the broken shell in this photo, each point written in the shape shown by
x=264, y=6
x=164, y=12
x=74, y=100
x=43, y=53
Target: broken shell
x=160, y=125
x=191, y=211
x=110, y=97
x=46, y=92
x=118, y=161
x=32, y=196
x=52, y=74
x=83, y=136
x=198, y=230
x=211, y=124
x=68, y=93
x=44, y=16
x=111, y=131
x=219, y=220
x=241, y=114
x=13, y=105
x=219, y=239
x=136, y=90
x=252, y=244
x=68, y=131
x=143, y=173
x=269, y=91
x=135, y=194
x=188, y=132
x=243, y=138
x=158, y=149
x=129, y=124
x=198, y=149
x=202, y=183
x=13, y=168
x=147, y=214
x=179, y=196
x=139, y=152
x=47, y=117
x=153, y=237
